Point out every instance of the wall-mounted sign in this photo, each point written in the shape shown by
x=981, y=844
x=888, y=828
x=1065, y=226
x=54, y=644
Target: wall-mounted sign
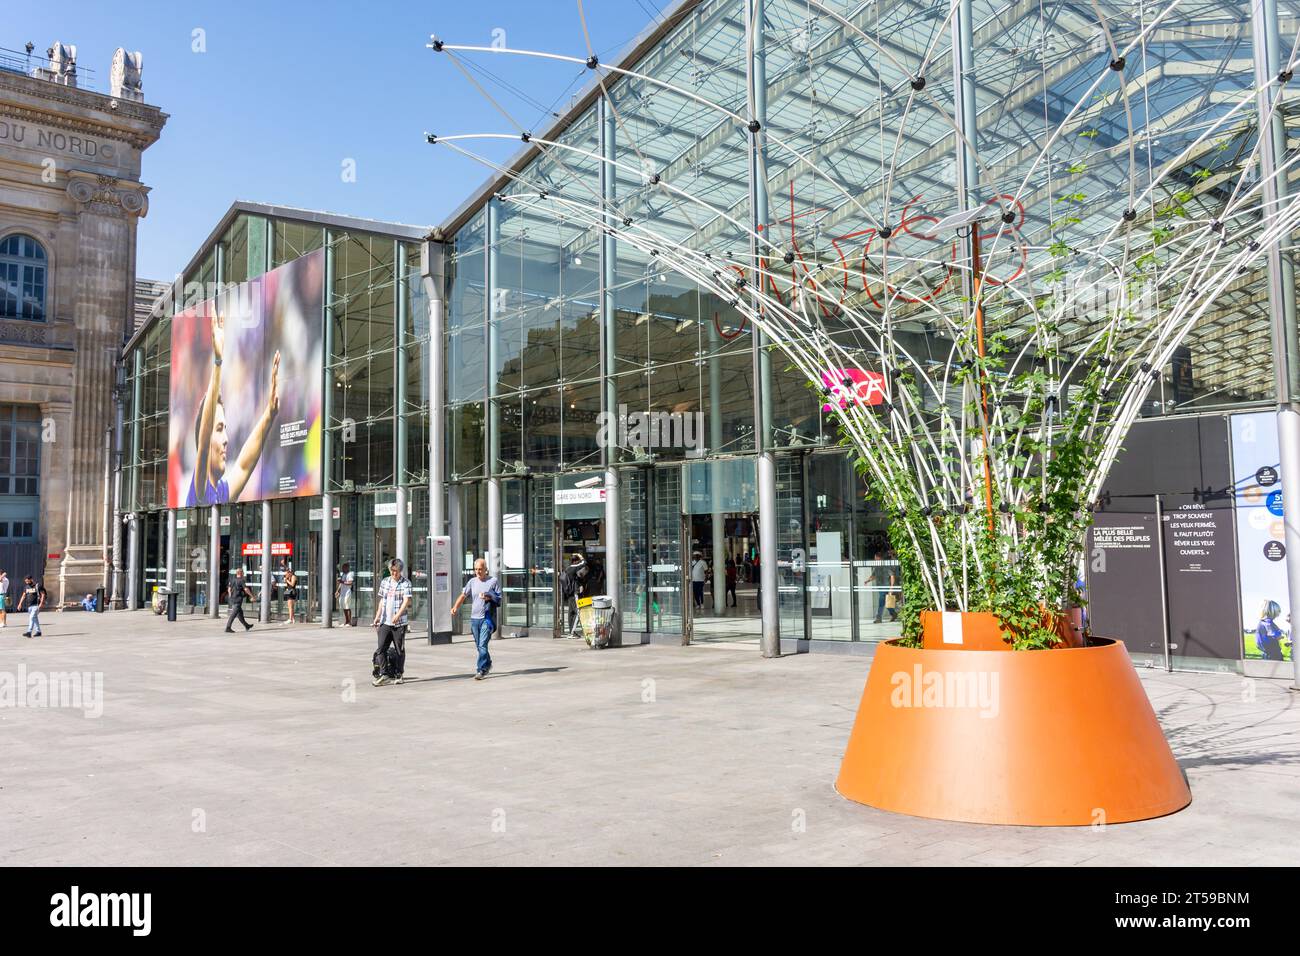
x=315, y=514
x=278, y=549
x=579, y=496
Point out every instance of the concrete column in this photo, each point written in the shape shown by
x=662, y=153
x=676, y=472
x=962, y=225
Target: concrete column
x=492, y=433
x=1281, y=293
x=326, y=575
x=264, y=599
x=756, y=69
x=171, y=549
x=433, y=277
x=214, y=561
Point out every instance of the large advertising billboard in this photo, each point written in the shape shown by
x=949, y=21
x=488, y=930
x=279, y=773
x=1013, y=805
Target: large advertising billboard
x=246, y=378
x=1265, y=607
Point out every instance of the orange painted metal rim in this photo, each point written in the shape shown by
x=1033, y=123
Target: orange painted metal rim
x=1063, y=737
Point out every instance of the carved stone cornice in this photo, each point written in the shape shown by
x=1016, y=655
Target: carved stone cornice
x=120, y=115
x=108, y=195
x=75, y=125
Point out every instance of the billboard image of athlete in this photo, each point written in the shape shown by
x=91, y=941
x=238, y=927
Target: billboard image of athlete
x=245, y=374
x=216, y=482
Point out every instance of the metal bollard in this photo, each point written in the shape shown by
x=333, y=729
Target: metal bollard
x=171, y=606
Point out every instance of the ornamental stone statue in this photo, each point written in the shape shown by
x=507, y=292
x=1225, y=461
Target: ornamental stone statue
x=124, y=77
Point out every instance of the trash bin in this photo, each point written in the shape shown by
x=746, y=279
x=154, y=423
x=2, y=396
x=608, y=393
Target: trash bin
x=165, y=602
x=596, y=626
x=99, y=600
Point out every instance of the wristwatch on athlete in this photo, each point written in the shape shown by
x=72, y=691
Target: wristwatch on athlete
x=216, y=360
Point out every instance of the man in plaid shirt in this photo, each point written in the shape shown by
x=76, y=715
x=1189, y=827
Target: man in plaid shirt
x=390, y=618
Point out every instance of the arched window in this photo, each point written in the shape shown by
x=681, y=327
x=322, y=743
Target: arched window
x=22, y=278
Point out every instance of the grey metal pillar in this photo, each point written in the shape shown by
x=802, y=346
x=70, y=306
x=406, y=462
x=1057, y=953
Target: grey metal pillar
x=609, y=453
x=264, y=598
x=326, y=571
x=433, y=277
x=214, y=561
x=964, y=103
x=715, y=470
x=119, y=397
x=133, y=562
x=492, y=442
x=756, y=70
x=1281, y=296
x=133, y=531
x=457, y=547
x=171, y=549
x=326, y=576
x=402, y=524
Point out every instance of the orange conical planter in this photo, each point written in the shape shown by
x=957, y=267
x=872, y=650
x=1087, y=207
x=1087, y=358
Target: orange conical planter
x=1063, y=737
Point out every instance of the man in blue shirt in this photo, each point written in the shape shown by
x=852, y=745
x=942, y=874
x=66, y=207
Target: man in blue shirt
x=393, y=602
x=485, y=592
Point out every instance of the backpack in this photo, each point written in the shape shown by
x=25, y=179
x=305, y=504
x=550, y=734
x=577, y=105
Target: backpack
x=385, y=662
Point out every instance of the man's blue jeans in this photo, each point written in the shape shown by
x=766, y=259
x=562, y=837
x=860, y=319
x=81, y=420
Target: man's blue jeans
x=482, y=629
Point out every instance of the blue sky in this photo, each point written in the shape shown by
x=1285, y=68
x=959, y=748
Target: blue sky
x=286, y=92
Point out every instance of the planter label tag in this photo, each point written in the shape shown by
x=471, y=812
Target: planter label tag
x=952, y=627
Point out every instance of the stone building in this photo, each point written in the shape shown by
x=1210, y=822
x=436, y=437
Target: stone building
x=70, y=198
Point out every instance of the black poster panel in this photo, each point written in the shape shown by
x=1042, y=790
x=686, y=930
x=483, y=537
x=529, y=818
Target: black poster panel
x=1186, y=461
x=1201, y=570
x=1124, y=581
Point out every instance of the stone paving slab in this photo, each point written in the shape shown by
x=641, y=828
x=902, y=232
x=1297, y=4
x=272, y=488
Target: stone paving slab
x=273, y=748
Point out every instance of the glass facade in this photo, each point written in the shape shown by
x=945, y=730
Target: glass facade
x=539, y=340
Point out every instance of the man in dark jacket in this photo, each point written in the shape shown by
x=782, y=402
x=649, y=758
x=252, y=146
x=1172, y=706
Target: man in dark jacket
x=238, y=592
x=572, y=585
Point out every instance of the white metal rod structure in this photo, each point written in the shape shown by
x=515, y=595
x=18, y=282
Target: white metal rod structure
x=1281, y=299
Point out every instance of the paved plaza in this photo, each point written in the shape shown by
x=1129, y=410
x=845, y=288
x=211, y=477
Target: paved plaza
x=273, y=748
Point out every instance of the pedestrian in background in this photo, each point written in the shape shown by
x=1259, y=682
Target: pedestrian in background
x=4, y=598
x=238, y=592
x=291, y=592
x=33, y=599
x=343, y=593
x=699, y=574
x=394, y=600
x=485, y=593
